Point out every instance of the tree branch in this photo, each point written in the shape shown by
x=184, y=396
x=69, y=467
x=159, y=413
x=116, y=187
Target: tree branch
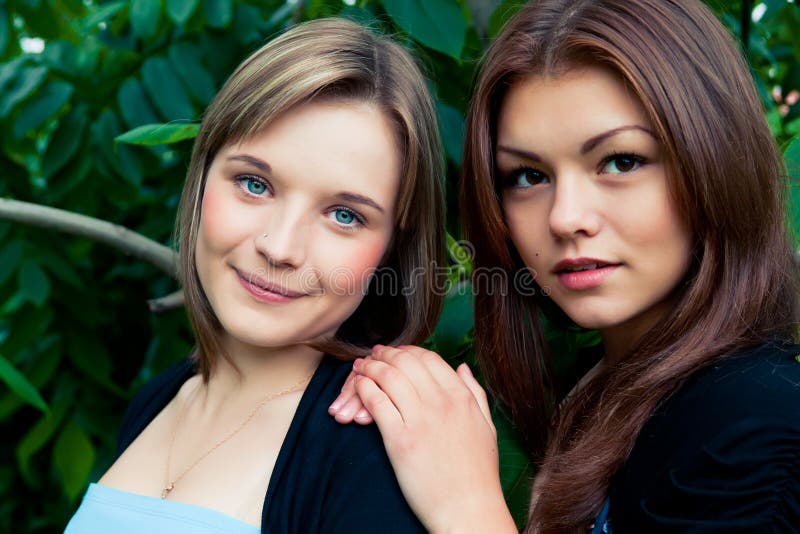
x=114, y=235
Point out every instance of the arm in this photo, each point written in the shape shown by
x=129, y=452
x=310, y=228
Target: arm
x=438, y=434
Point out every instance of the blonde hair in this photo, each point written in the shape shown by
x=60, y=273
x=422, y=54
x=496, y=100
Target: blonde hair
x=332, y=59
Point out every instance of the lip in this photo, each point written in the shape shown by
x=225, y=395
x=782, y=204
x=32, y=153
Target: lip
x=265, y=291
x=584, y=279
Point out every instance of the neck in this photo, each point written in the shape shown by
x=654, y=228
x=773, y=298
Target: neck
x=253, y=372
x=619, y=339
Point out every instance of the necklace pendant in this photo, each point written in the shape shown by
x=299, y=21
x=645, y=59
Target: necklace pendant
x=167, y=490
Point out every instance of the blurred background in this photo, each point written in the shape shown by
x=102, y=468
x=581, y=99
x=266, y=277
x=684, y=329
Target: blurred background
x=82, y=82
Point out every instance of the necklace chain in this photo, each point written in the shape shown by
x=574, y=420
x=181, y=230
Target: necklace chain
x=170, y=484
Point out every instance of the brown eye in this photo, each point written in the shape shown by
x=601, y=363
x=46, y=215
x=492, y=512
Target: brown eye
x=622, y=163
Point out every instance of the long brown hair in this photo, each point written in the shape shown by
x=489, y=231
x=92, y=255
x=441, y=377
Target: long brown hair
x=726, y=180
x=333, y=59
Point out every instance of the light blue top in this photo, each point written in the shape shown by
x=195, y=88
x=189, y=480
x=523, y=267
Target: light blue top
x=105, y=509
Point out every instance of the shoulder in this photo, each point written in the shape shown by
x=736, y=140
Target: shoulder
x=346, y=468
x=722, y=453
x=150, y=399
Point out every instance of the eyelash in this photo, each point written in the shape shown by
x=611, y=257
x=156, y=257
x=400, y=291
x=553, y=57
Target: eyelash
x=347, y=227
x=242, y=180
x=241, y=183
x=510, y=178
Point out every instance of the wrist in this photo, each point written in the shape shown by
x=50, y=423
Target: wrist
x=487, y=515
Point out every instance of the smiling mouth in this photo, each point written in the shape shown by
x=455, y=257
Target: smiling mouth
x=266, y=291
x=580, y=268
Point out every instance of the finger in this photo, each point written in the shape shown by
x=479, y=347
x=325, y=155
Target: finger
x=347, y=392
x=407, y=361
x=437, y=367
x=382, y=408
x=465, y=373
x=393, y=382
x=363, y=417
x=347, y=412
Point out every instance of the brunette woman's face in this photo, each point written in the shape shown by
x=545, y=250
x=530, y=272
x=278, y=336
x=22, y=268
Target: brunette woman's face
x=586, y=198
x=321, y=182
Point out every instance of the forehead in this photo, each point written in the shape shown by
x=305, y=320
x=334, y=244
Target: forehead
x=578, y=103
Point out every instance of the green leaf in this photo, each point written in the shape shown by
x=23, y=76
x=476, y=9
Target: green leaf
x=145, y=15
x=65, y=141
x=42, y=107
x=791, y=156
x=218, y=12
x=4, y=29
x=166, y=91
x=516, y=469
x=26, y=82
x=134, y=105
x=185, y=59
x=451, y=126
x=10, y=257
x=438, y=24
x=104, y=13
x=501, y=14
x=37, y=437
x=34, y=284
x=456, y=321
x=20, y=385
x=73, y=458
x=158, y=134
x=181, y=10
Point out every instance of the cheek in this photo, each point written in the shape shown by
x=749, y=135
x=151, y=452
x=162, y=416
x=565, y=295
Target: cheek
x=224, y=222
x=527, y=223
x=355, y=267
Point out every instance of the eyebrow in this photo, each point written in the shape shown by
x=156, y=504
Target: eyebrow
x=347, y=196
x=588, y=146
x=359, y=199
x=259, y=164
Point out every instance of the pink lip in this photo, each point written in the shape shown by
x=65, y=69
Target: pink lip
x=586, y=279
x=265, y=291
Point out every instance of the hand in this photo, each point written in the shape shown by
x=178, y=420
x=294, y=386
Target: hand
x=438, y=432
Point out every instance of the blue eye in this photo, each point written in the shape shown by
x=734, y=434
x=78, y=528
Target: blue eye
x=253, y=185
x=526, y=177
x=346, y=217
x=622, y=163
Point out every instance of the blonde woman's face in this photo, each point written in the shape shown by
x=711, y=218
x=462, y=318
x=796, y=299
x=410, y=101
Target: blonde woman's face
x=295, y=220
x=586, y=199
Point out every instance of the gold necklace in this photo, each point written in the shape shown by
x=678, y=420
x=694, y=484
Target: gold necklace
x=170, y=485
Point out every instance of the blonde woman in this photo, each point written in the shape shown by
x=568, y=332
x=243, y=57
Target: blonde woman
x=309, y=168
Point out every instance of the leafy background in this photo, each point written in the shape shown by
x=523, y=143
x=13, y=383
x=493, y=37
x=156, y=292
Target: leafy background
x=76, y=334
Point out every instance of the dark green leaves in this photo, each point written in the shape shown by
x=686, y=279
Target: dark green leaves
x=43, y=106
x=145, y=15
x=33, y=283
x=218, y=12
x=159, y=134
x=73, y=457
x=25, y=83
x=180, y=10
x=20, y=385
x=166, y=90
x=438, y=24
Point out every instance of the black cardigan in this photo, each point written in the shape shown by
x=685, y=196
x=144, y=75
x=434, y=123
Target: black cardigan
x=328, y=478
x=722, y=455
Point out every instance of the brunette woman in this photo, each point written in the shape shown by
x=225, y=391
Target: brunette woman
x=617, y=151
x=316, y=164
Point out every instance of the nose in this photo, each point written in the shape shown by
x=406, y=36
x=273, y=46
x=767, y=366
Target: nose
x=574, y=212
x=283, y=237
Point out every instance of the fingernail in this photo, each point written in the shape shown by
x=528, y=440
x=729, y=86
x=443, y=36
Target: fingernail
x=335, y=406
x=377, y=348
x=362, y=414
x=357, y=363
x=346, y=412
x=469, y=371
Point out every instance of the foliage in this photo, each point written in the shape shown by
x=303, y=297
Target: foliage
x=99, y=122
